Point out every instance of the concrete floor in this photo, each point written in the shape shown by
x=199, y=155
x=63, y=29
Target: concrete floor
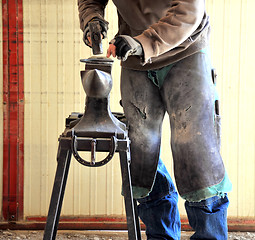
x=100, y=235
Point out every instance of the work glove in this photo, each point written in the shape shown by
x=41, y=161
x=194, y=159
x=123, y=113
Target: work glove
x=86, y=32
x=126, y=46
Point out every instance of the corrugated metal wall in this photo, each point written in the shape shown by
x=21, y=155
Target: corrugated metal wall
x=52, y=50
x=233, y=53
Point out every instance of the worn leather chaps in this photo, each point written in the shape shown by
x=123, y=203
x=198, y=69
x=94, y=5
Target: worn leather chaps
x=188, y=96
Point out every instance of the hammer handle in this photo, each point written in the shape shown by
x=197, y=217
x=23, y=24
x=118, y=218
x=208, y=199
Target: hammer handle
x=96, y=38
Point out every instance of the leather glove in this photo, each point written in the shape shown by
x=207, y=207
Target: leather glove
x=126, y=46
x=86, y=32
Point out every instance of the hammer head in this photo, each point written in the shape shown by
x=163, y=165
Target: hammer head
x=96, y=38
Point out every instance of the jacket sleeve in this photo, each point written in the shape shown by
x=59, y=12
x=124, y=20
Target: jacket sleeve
x=181, y=20
x=89, y=9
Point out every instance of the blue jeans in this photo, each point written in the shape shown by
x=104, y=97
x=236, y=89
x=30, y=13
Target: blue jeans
x=159, y=212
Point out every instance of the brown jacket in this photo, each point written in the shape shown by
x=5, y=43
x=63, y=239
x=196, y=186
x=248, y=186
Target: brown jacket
x=169, y=30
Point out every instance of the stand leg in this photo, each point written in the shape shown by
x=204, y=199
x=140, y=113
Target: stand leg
x=64, y=157
x=138, y=227
x=133, y=224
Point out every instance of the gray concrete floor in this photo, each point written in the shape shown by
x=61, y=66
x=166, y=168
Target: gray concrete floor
x=100, y=235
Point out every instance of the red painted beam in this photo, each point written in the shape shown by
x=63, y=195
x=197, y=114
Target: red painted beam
x=13, y=110
x=111, y=223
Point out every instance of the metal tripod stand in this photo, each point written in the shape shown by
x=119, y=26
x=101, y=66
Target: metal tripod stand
x=97, y=130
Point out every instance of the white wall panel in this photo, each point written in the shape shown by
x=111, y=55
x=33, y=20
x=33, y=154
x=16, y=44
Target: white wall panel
x=53, y=47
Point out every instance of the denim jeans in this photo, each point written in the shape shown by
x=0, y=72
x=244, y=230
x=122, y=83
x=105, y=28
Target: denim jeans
x=159, y=212
x=209, y=218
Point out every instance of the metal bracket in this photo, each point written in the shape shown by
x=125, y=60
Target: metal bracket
x=93, y=143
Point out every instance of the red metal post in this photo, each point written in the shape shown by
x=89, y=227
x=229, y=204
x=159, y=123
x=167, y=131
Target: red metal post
x=13, y=110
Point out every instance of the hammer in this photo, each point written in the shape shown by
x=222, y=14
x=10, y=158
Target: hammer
x=96, y=38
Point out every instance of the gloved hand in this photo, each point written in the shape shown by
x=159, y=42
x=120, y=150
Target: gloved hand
x=126, y=46
x=86, y=33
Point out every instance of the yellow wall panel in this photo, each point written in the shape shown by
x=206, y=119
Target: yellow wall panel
x=53, y=48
